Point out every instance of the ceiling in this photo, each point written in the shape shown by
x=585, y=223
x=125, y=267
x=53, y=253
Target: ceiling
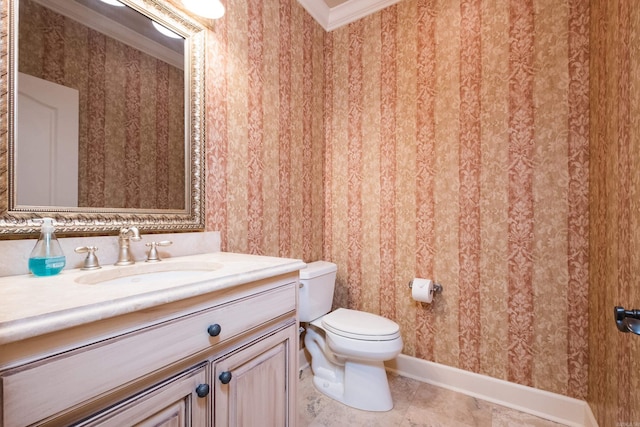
x=332, y=14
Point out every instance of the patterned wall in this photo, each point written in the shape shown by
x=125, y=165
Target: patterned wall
x=131, y=110
x=456, y=149
x=454, y=137
x=265, y=129
x=454, y=146
x=614, y=378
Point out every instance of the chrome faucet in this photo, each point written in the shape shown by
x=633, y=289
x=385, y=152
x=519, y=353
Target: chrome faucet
x=124, y=238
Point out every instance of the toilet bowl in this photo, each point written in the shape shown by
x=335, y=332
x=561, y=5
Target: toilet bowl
x=347, y=347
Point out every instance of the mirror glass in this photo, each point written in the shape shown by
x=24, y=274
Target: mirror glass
x=98, y=85
x=105, y=123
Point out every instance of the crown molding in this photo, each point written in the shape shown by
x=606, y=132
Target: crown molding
x=343, y=14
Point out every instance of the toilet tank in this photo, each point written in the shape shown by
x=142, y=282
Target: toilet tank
x=315, y=296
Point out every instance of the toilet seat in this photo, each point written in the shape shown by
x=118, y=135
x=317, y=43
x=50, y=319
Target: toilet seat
x=360, y=325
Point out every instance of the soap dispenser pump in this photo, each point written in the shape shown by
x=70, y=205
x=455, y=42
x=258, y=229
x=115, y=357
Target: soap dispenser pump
x=46, y=258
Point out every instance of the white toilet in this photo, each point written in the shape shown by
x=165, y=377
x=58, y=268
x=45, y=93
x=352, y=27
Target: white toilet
x=347, y=347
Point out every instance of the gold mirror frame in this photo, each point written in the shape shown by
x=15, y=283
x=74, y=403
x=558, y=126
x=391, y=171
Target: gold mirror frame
x=16, y=222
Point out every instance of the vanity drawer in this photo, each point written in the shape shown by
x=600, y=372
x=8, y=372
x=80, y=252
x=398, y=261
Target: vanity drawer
x=42, y=389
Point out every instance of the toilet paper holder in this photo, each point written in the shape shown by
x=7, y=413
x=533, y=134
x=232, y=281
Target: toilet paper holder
x=437, y=287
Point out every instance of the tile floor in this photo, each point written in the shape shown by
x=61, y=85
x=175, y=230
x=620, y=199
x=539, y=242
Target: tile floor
x=416, y=404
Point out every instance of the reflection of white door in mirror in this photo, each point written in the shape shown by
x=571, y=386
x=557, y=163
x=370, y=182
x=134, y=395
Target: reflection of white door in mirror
x=46, y=143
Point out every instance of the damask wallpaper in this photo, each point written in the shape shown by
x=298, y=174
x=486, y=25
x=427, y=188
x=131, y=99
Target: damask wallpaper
x=457, y=150
x=265, y=129
x=614, y=377
x=444, y=139
x=490, y=145
x=131, y=151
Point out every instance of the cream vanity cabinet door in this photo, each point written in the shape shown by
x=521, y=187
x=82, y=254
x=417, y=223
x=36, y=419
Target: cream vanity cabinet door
x=181, y=401
x=255, y=385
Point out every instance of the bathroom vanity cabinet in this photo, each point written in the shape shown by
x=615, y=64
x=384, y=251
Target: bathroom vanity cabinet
x=224, y=358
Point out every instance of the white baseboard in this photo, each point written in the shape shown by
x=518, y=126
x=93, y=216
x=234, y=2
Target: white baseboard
x=544, y=404
x=541, y=403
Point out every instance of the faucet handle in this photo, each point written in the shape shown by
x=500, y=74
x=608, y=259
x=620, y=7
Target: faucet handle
x=130, y=232
x=91, y=261
x=153, y=252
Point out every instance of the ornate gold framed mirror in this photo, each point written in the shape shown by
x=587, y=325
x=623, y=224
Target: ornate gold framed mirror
x=102, y=117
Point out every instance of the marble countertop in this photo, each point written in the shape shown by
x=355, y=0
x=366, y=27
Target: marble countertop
x=31, y=306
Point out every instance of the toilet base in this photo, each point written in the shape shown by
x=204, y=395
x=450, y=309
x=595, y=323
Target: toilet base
x=364, y=386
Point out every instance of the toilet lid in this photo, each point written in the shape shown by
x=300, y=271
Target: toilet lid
x=360, y=325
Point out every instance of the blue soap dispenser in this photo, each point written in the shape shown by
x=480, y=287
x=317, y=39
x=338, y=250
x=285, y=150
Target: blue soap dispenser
x=46, y=258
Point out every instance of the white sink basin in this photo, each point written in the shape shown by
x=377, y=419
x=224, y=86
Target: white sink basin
x=139, y=273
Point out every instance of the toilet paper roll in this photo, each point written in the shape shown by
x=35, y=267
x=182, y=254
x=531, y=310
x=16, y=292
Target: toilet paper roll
x=422, y=290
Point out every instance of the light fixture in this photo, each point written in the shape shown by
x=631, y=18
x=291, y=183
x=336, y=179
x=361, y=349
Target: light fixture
x=165, y=31
x=212, y=9
x=112, y=2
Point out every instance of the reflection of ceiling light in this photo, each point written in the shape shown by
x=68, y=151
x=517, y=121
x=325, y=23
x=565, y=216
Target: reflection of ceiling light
x=212, y=9
x=112, y=2
x=164, y=30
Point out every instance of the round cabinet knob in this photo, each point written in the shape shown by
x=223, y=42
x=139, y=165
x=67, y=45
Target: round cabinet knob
x=214, y=330
x=202, y=390
x=225, y=377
